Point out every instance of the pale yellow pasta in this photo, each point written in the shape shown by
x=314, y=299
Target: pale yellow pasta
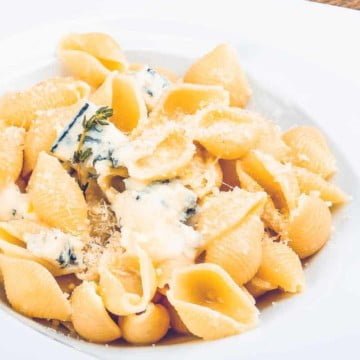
x=271, y=216
x=56, y=197
x=210, y=303
x=203, y=174
x=89, y=316
x=146, y=328
x=309, y=226
x=32, y=290
x=160, y=153
x=43, y=132
x=238, y=251
x=121, y=93
x=310, y=182
x=19, y=108
x=11, y=154
x=226, y=210
x=221, y=67
x=278, y=180
x=176, y=323
x=281, y=267
x=309, y=149
x=186, y=99
x=91, y=56
x=258, y=287
x=226, y=132
x=17, y=229
x=127, y=281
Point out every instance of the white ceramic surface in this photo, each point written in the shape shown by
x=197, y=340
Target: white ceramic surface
x=324, y=320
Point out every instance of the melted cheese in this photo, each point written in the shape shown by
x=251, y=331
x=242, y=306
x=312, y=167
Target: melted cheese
x=153, y=217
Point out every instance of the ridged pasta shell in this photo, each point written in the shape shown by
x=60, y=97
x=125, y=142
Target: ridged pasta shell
x=43, y=132
x=120, y=92
x=278, y=180
x=202, y=174
x=226, y=210
x=271, y=216
x=226, y=132
x=146, y=328
x=258, y=287
x=127, y=282
x=238, y=251
x=221, y=67
x=32, y=290
x=281, y=267
x=310, y=150
x=309, y=226
x=210, y=303
x=310, y=182
x=89, y=316
x=160, y=153
x=56, y=197
x=91, y=56
x=19, y=108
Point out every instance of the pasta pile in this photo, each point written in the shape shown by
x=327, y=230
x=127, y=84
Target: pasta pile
x=135, y=202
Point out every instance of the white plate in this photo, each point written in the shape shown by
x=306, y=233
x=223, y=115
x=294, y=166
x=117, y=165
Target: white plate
x=324, y=319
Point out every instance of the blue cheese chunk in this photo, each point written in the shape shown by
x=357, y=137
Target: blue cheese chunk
x=152, y=85
x=102, y=143
x=154, y=218
x=64, y=250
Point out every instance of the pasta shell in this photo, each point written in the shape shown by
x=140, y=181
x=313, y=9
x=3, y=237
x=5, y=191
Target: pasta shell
x=89, y=316
x=160, y=153
x=310, y=150
x=258, y=287
x=32, y=290
x=227, y=133
x=127, y=282
x=11, y=154
x=16, y=229
x=91, y=56
x=277, y=179
x=310, y=182
x=271, y=216
x=121, y=93
x=56, y=197
x=281, y=267
x=221, y=67
x=146, y=328
x=43, y=133
x=210, y=303
x=225, y=211
x=202, y=174
x=309, y=226
x=238, y=251
x=19, y=108
x=186, y=99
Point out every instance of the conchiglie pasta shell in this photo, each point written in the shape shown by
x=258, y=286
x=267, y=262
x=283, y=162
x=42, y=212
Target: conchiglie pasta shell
x=11, y=154
x=258, y=287
x=32, y=290
x=160, y=153
x=227, y=133
x=210, y=303
x=19, y=108
x=310, y=182
x=309, y=226
x=281, y=267
x=43, y=132
x=146, y=328
x=310, y=150
x=89, y=316
x=278, y=180
x=120, y=92
x=238, y=251
x=91, y=56
x=221, y=67
x=226, y=210
x=56, y=197
x=127, y=282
